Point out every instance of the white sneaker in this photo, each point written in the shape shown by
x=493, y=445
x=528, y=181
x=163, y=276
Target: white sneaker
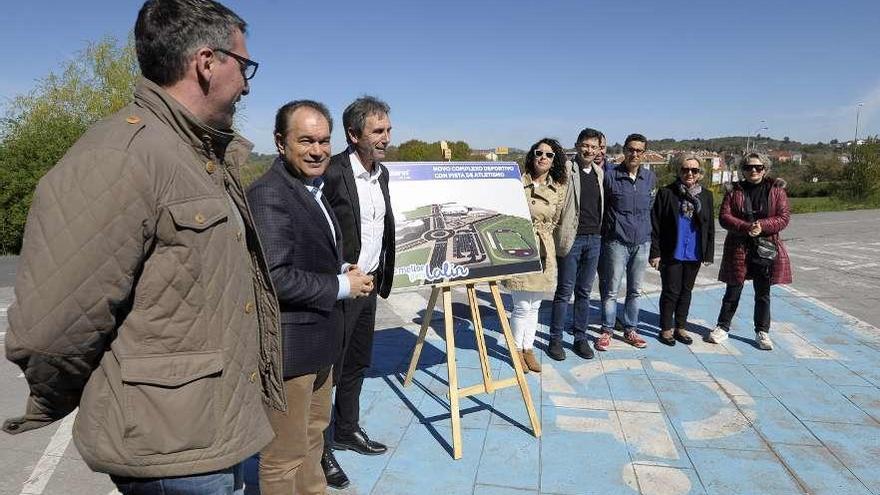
x=764, y=342
x=717, y=335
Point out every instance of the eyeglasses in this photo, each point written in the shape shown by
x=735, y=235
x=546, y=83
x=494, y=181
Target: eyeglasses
x=694, y=171
x=635, y=151
x=548, y=154
x=248, y=66
x=753, y=168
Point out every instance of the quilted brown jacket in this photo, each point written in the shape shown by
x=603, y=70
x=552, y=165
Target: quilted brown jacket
x=143, y=297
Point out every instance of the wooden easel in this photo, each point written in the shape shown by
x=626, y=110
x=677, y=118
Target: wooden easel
x=489, y=385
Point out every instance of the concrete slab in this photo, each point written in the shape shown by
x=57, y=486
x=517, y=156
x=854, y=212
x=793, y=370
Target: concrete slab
x=696, y=419
x=742, y=472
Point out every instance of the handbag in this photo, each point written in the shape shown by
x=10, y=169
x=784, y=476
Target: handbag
x=763, y=250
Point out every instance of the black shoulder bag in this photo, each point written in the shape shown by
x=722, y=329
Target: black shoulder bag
x=762, y=250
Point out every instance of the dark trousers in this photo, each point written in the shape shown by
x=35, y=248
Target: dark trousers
x=353, y=362
x=576, y=272
x=677, y=278
x=761, y=284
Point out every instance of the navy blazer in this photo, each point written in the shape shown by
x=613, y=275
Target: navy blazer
x=304, y=262
x=341, y=191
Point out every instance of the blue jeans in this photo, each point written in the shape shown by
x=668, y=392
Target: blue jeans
x=576, y=272
x=229, y=481
x=619, y=259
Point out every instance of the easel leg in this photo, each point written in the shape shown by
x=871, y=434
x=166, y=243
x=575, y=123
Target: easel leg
x=517, y=365
x=481, y=341
x=452, y=373
x=420, y=342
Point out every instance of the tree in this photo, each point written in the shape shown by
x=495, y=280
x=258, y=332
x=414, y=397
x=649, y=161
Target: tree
x=40, y=126
x=863, y=179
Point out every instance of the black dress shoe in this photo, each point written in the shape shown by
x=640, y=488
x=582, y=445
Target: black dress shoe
x=683, y=338
x=582, y=349
x=555, y=350
x=359, y=442
x=336, y=477
x=670, y=341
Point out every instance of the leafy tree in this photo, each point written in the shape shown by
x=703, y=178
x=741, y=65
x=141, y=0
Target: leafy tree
x=40, y=126
x=863, y=179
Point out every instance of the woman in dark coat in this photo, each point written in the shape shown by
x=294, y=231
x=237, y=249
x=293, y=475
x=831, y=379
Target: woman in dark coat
x=682, y=237
x=755, y=208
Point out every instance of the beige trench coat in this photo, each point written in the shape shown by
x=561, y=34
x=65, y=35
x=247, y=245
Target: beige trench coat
x=545, y=205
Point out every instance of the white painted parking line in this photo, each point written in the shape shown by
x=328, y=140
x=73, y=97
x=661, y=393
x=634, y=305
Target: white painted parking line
x=45, y=467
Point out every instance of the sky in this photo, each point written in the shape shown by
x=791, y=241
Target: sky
x=506, y=73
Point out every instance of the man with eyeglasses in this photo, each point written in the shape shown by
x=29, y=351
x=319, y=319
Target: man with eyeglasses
x=626, y=241
x=578, y=245
x=143, y=296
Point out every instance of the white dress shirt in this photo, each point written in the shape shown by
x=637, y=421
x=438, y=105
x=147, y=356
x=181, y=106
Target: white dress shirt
x=372, y=206
x=316, y=189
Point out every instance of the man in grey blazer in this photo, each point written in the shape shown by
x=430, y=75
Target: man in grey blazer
x=578, y=243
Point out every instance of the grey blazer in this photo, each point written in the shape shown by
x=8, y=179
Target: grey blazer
x=571, y=207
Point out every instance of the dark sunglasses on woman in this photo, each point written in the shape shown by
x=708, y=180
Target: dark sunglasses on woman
x=548, y=154
x=756, y=168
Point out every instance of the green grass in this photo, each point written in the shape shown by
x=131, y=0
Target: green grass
x=830, y=203
x=416, y=256
x=516, y=224
x=421, y=211
x=511, y=240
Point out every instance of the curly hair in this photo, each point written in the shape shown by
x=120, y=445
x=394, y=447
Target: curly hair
x=557, y=170
x=765, y=160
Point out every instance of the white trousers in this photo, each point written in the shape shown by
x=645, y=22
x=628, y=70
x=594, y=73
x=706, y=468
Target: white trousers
x=524, y=317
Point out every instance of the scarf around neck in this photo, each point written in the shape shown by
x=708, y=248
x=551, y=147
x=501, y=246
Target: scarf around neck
x=688, y=198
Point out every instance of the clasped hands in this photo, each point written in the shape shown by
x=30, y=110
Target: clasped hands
x=755, y=229
x=361, y=284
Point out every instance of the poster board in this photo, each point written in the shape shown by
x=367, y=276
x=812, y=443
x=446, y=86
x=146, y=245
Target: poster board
x=460, y=221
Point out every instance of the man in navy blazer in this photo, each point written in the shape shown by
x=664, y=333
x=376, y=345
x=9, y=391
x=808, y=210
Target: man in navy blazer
x=302, y=241
x=357, y=189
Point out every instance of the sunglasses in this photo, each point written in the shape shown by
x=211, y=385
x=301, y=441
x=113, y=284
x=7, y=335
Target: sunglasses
x=635, y=151
x=548, y=154
x=694, y=171
x=751, y=168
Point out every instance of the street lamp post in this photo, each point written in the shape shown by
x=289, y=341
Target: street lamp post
x=761, y=127
x=858, y=112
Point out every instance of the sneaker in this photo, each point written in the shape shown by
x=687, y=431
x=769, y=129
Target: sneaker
x=531, y=361
x=582, y=349
x=555, y=350
x=604, y=341
x=717, y=335
x=634, y=339
x=763, y=340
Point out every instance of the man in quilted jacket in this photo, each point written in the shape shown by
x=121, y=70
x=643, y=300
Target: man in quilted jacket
x=142, y=295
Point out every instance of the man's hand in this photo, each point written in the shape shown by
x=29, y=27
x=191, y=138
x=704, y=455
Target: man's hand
x=655, y=263
x=361, y=284
x=33, y=418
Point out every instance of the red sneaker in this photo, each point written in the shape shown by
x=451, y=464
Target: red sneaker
x=604, y=341
x=634, y=339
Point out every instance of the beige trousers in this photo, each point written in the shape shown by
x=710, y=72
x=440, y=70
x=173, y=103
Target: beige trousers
x=291, y=463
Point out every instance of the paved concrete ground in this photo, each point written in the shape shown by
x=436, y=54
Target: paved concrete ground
x=804, y=418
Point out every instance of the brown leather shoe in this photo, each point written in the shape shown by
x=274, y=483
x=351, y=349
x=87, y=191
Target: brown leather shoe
x=682, y=336
x=531, y=361
x=522, y=361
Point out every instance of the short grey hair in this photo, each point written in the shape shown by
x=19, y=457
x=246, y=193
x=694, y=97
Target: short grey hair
x=355, y=115
x=168, y=32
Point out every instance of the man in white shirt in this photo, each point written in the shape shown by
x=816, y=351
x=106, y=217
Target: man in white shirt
x=356, y=185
